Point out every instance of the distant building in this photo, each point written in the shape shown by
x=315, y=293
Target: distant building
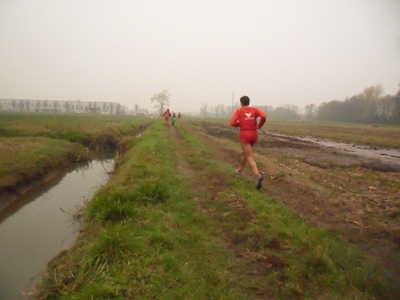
x=61, y=106
x=141, y=112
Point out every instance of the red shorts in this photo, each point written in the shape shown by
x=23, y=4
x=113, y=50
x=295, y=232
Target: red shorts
x=248, y=137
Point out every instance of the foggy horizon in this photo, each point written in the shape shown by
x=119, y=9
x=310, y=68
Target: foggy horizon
x=276, y=52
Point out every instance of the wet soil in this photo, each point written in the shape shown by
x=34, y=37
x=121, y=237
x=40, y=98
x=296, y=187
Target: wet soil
x=351, y=190
x=340, y=154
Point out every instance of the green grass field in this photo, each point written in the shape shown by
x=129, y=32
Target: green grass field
x=31, y=145
x=174, y=224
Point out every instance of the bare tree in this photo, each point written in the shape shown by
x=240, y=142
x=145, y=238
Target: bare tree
x=372, y=92
x=211, y=109
x=310, y=111
x=370, y=97
x=219, y=110
x=385, y=109
x=161, y=99
x=203, y=109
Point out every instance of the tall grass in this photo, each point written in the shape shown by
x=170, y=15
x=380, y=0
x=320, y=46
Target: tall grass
x=32, y=145
x=24, y=159
x=101, y=131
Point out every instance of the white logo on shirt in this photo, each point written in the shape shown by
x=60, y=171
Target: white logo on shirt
x=248, y=115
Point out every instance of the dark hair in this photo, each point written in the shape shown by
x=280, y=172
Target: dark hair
x=245, y=100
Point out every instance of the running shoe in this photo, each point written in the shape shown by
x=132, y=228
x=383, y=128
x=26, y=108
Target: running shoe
x=259, y=179
x=238, y=174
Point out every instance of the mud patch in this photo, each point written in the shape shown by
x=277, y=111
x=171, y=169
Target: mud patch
x=324, y=153
x=336, y=153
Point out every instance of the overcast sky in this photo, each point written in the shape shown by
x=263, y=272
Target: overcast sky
x=277, y=52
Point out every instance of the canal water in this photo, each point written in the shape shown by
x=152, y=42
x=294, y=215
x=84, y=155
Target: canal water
x=38, y=226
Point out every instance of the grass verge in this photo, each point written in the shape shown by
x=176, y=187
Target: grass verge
x=24, y=159
x=92, y=131
x=34, y=145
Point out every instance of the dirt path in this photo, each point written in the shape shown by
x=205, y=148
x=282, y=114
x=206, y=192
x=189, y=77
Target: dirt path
x=249, y=263
x=360, y=204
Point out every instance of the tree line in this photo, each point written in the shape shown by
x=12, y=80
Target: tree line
x=370, y=106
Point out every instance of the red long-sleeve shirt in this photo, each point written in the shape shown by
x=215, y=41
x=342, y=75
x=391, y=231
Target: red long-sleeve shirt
x=246, y=118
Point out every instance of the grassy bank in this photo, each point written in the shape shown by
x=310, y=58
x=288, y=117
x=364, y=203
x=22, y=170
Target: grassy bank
x=25, y=159
x=173, y=223
x=33, y=145
x=92, y=131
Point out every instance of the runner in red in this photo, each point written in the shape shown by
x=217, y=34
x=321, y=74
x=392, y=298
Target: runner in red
x=167, y=115
x=246, y=119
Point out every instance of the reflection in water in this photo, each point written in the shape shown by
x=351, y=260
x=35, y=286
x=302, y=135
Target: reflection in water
x=40, y=225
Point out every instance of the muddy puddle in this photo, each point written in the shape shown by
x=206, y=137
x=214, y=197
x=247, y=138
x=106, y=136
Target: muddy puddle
x=42, y=223
x=337, y=153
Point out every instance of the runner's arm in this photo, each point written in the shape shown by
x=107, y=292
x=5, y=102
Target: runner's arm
x=263, y=117
x=235, y=118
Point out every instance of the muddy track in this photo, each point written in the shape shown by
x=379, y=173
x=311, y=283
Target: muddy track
x=357, y=202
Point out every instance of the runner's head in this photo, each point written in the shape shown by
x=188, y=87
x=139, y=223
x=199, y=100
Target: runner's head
x=245, y=100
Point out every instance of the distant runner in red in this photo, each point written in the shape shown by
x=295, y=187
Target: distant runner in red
x=246, y=119
x=167, y=115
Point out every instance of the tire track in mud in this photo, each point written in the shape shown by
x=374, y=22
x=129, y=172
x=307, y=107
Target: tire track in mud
x=249, y=264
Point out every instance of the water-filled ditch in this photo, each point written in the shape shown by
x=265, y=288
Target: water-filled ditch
x=41, y=223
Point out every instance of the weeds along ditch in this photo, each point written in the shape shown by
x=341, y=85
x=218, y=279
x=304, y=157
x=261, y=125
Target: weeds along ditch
x=44, y=221
x=35, y=146
x=173, y=223
x=37, y=151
